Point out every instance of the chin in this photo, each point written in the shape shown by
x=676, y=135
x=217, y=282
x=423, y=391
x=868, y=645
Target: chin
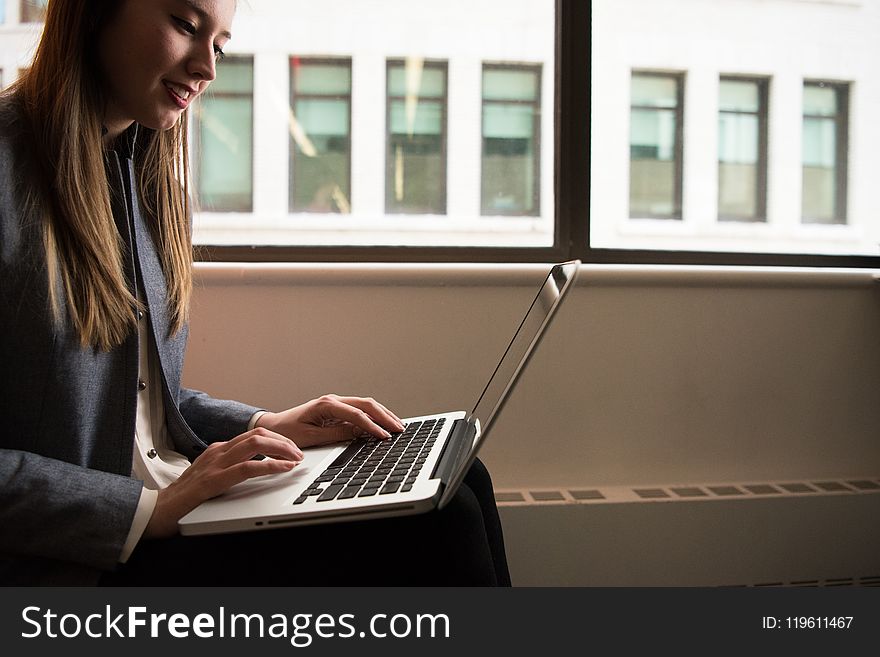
x=161, y=124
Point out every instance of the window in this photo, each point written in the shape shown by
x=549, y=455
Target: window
x=415, y=171
x=742, y=149
x=224, y=139
x=320, y=143
x=655, y=146
x=630, y=156
x=824, y=153
x=511, y=126
x=730, y=132
x=33, y=11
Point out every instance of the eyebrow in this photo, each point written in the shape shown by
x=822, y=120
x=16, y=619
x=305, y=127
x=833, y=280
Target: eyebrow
x=204, y=15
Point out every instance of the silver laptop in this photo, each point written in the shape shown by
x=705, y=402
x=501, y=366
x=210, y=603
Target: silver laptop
x=414, y=471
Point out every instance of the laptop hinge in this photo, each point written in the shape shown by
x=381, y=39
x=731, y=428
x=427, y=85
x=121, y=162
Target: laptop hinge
x=456, y=449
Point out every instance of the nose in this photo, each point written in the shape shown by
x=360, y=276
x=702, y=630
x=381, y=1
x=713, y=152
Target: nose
x=203, y=63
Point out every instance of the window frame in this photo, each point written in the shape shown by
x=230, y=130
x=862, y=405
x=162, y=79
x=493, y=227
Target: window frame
x=841, y=148
x=195, y=133
x=572, y=92
x=763, y=114
x=294, y=96
x=436, y=64
x=535, y=104
x=678, y=169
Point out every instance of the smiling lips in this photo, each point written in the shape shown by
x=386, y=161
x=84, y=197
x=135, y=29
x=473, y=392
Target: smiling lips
x=180, y=94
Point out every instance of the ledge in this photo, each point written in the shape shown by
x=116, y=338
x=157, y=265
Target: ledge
x=522, y=274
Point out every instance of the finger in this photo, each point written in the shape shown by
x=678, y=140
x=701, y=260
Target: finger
x=266, y=433
x=276, y=446
x=379, y=413
x=356, y=416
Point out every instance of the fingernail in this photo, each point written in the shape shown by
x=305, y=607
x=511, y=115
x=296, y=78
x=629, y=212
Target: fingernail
x=386, y=434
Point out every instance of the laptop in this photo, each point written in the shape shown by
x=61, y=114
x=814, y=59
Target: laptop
x=413, y=472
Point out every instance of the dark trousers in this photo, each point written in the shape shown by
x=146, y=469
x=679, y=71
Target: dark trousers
x=462, y=545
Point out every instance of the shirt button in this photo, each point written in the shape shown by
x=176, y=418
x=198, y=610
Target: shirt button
x=152, y=454
x=142, y=385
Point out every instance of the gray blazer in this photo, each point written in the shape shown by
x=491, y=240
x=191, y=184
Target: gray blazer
x=67, y=413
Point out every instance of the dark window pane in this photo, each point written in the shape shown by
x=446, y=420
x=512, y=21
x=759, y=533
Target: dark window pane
x=320, y=179
x=416, y=159
x=224, y=139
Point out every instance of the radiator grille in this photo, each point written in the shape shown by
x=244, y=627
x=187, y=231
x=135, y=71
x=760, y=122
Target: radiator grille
x=689, y=492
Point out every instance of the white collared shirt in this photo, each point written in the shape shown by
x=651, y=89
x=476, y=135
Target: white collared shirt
x=154, y=460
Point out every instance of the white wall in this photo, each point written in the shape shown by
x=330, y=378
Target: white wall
x=649, y=377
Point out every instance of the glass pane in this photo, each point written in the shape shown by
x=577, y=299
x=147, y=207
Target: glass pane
x=818, y=195
x=509, y=85
x=738, y=96
x=417, y=175
x=820, y=100
x=320, y=181
x=322, y=79
x=415, y=78
x=416, y=118
x=654, y=91
x=508, y=177
x=652, y=134
x=737, y=191
x=819, y=171
x=226, y=127
x=819, y=142
x=234, y=76
x=738, y=138
x=731, y=63
x=508, y=121
x=322, y=117
x=651, y=188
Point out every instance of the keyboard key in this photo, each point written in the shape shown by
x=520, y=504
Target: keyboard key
x=348, y=492
x=300, y=499
x=388, y=488
x=367, y=492
x=331, y=492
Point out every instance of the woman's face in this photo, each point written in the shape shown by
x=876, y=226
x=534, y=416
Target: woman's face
x=156, y=56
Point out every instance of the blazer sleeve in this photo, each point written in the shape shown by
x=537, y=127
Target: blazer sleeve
x=43, y=498
x=213, y=419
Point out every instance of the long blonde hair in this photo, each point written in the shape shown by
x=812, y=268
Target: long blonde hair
x=62, y=98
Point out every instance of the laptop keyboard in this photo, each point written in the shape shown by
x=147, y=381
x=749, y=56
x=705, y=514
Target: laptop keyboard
x=373, y=466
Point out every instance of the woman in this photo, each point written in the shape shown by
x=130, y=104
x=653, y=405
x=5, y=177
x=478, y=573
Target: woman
x=102, y=450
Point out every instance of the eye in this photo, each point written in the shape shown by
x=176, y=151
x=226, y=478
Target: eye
x=184, y=25
x=219, y=55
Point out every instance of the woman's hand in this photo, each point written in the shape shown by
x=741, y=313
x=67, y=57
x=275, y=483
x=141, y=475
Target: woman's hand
x=216, y=470
x=332, y=418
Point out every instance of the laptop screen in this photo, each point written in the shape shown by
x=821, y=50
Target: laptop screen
x=523, y=343
x=512, y=363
